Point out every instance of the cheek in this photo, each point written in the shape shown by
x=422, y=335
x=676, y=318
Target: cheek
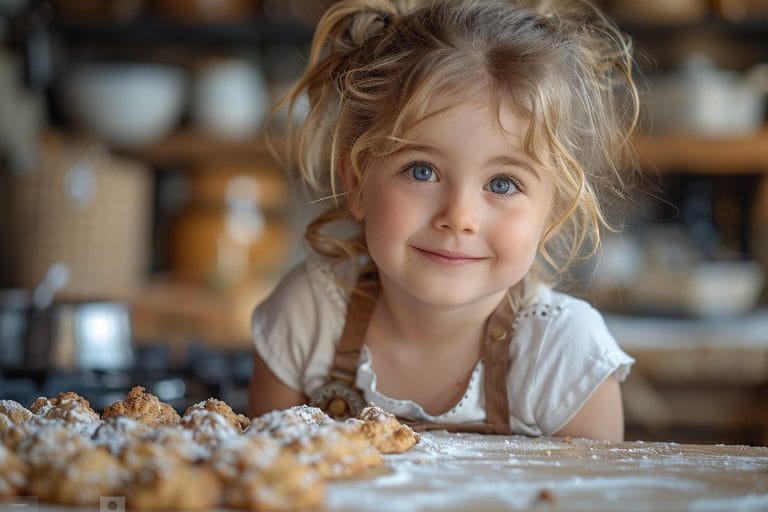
x=389, y=221
x=518, y=236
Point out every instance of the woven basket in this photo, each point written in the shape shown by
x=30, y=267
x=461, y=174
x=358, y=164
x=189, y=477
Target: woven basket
x=82, y=207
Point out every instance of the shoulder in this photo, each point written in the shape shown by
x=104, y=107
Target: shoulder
x=561, y=352
x=310, y=285
x=557, y=312
x=295, y=329
x=308, y=299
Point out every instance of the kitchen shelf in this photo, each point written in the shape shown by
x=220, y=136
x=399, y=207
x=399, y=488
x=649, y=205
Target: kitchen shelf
x=189, y=146
x=179, y=313
x=681, y=152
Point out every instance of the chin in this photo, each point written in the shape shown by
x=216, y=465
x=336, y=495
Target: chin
x=450, y=296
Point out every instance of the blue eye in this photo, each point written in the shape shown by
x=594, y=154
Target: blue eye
x=421, y=172
x=503, y=186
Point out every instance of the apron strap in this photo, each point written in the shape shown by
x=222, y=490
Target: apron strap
x=359, y=311
x=496, y=335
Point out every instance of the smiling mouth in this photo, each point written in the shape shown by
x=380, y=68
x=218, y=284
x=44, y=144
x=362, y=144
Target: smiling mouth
x=448, y=257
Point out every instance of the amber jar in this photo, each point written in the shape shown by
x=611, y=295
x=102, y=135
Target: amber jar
x=236, y=225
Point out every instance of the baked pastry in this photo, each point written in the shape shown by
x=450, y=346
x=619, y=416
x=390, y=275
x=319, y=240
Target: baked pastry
x=259, y=473
x=289, y=424
x=384, y=431
x=13, y=473
x=336, y=451
x=208, y=428
x=87, y=475
x=162, y=480
x=117, y=431
x=6, y=427
x=238, y=421
x=163, y=444
x=14, y=411
x=47, y=442
x=69, y=406
x=63, y=452
x=144, y=407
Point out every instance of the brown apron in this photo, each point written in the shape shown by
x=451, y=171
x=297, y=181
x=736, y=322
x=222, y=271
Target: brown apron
x=340, y=398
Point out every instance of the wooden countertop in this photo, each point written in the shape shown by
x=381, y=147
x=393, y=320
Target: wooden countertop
x=474, y=472
x=461, y=472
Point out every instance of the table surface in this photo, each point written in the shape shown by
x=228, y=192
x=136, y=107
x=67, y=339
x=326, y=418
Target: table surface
x=460, y=472
x=474, y=472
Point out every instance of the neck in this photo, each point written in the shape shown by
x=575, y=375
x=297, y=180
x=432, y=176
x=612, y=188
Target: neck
x=412, y=322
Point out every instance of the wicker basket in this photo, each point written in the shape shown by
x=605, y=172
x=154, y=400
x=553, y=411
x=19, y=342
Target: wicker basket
x=82, y=207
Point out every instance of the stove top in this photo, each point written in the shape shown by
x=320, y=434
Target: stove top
x=178, y=376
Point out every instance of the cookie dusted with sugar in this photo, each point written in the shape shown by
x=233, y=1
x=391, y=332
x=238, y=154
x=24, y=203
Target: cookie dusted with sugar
x=238, y=421
x=165, y=445
x=144, y=407
x=260, y=473
x=208, y=428
x=50, y=443
x=14, y=411
x=13, y=473
x=8, y=431
x=384, y=430
x=118, y=431
x=289, y=424
x=161, y=480
x=87, y=475
x=336, y=451
x=68, y=406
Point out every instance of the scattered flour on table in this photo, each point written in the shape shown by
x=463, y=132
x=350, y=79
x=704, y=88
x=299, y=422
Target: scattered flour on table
x=450, y=472
x=747, y=503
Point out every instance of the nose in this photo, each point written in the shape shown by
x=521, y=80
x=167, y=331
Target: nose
x=459, y=213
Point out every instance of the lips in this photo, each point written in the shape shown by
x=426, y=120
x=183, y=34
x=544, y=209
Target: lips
x=448, y=257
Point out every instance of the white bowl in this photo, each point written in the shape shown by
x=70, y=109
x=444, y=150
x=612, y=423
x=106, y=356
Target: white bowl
x=128, y=105
x=229, y=98
x=706, y=289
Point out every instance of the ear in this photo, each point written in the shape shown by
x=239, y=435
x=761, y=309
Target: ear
x=351, y=185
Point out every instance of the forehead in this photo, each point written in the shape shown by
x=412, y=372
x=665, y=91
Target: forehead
x=460, y=113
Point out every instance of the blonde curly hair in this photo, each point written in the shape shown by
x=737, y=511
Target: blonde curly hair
x=376, y=66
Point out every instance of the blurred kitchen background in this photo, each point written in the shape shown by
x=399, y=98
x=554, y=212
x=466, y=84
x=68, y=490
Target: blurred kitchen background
x=143, y=217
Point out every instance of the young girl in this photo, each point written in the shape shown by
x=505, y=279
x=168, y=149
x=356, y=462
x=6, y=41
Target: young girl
x=469, y=141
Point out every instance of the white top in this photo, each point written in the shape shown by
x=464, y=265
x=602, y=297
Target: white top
x=560, y=352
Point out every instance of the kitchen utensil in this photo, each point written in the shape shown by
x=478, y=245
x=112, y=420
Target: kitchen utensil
x=84, y=208
x=91, y=335
x=53, y=281
x=235, y=225
x=229, y=98
x=129, y=105
x=705, y=100
x=704, y=289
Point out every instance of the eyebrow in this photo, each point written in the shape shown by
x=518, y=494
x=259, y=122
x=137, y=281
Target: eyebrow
x=501, y=160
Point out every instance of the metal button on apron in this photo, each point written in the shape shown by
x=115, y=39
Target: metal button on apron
x=498, y=334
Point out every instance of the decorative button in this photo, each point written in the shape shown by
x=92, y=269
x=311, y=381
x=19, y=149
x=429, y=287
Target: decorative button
x=337, y=406
x=498, y=334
